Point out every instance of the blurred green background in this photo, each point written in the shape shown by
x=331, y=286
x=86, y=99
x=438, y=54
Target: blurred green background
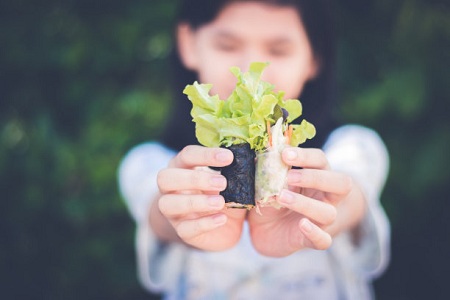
x=81, y=82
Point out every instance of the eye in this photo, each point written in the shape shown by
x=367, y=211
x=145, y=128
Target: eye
x=226, y=45
x=279, y=51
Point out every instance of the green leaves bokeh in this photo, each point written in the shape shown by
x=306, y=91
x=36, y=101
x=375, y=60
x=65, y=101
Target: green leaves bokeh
x=82, y=82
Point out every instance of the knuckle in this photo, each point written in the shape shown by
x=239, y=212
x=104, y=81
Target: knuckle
x=331, y=215
x=162, y=205
x=318, y=156
x=306, y=205
x=161, y=179
x=191, y=204
x=302, y=156
x=188, y=229
x=181, y=231
x=317, y=180
x=197, y=227
x=201, y=225
x=210, y=154
x=197, y=178
x=315, y=158
x=348, y=184
x=323, y=162
x=184, y=154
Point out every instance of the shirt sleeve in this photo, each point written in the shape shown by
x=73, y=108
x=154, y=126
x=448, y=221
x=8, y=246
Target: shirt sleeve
x=158, y=263
x=360, y=152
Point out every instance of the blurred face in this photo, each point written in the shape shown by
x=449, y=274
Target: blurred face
x=245, y=32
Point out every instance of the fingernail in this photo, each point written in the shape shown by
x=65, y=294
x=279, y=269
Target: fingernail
x=218, y=182
x=223, y=156
x=286, y=197
x=215, y=201
x=219, y=219
x=290, y=154
x=306, y=225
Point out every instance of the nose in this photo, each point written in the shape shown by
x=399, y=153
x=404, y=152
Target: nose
x=254, y=55
x=249, y=56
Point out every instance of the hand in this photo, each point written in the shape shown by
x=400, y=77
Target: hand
x=191, y=203
x=309, y=206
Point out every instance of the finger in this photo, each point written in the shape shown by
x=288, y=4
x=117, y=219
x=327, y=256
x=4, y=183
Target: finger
x=170, y=180
x=319, y=211
x=192, y=156
x=316, y=237
x=172, y=205
x=325, y=181
x=190, y=229
x=305, y=158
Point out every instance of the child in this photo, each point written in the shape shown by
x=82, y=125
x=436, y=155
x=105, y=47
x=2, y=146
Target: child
x=189, y=245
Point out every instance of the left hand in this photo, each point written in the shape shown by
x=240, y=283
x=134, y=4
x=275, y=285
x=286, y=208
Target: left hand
x=309, y=206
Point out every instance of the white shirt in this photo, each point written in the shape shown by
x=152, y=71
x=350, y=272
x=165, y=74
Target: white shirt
x=344, y=271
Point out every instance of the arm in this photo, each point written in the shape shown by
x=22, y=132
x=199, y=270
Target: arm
x=319, y=203
x=189, y=208
x=361, y=153
x=160, y=251
x=327, y=196
x=158, y=264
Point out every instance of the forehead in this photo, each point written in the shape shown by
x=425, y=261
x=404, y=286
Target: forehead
x=253, y=20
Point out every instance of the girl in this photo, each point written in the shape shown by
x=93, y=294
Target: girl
x=189, y=245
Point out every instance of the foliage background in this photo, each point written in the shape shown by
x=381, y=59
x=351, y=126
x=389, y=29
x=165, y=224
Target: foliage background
x=81, y=82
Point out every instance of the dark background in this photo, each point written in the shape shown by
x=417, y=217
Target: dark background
x=81, y=82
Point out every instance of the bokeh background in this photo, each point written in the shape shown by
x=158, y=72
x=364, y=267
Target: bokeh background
x=81, y=82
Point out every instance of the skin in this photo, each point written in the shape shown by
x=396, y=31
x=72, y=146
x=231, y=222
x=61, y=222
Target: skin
x=319, y=204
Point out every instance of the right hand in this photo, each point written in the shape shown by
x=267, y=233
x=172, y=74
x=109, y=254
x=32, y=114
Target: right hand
x=191, y=202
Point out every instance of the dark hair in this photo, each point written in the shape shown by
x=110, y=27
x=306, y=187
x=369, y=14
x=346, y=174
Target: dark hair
x=318, y=96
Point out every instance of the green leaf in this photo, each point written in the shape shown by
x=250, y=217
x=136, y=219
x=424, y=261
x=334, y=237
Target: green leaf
x=202, y=102
x=302, y=132
x=294, y=107
x=243, y=117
